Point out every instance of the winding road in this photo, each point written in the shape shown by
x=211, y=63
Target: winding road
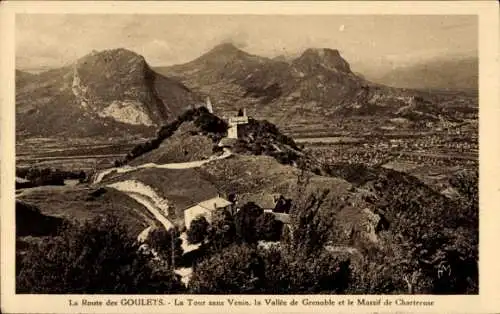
x=147, y=197
x=154, y=203
x=158, y=206
x=179, y=165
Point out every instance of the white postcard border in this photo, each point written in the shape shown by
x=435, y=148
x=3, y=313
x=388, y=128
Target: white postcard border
x=487, y=301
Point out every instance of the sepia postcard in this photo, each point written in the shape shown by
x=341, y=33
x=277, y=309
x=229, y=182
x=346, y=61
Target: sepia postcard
x=199, y=157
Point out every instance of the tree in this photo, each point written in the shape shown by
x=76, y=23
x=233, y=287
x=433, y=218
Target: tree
x=248, y=270
x=310, y=230
x=235, y=269
x=268, y=228
x=222, y=232
x=163, y=242
x=289, y=271
x=466, y=183
x=245, y=221
x=426, y=249
x=198, y=230
x=283, y=205
x=96, y=257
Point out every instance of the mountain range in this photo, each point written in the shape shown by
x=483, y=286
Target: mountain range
x=452, y=73
x=317, y=87
x=312, y=83
x=116, y=92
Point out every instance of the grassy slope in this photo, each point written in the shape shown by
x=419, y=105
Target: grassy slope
x=77, y=203
x=182, y=146
x=192, y=122
x=182, y=188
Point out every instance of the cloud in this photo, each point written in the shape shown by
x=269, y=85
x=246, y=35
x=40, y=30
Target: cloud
x=53, y=40
x=154, y=50
x=160, y=43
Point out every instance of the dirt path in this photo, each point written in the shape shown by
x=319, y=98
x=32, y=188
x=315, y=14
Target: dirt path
x=178, y=165
x=158, y=206
x=147, y=197
x=26, y=191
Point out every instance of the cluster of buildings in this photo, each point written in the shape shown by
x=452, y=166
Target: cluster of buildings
x=435, y=150
x=208, y=207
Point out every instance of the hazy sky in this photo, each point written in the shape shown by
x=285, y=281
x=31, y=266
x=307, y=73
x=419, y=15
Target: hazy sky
x=366, y=42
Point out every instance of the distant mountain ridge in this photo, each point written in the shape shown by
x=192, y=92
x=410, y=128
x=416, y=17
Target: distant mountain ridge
x=318, y=85
x=22, y=77
x=452, y=73
x=232, y=76
x=108, y=92
x=115, y=93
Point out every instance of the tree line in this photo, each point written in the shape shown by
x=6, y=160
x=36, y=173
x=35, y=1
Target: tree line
x=46, y=176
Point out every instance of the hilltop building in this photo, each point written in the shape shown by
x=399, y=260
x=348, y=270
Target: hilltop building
x=233, y=122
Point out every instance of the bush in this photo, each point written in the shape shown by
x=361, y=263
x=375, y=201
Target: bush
x=357, y=174
x=31, y=222
x=263, y=137
x=96, y=257
x=243, y=269
x=48, y=176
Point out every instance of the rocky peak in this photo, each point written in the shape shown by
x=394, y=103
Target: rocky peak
x=224, y=53
x=226, y=48
x=115, y=74
x=111, y=62
x=331, y=59
x=118, y=84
